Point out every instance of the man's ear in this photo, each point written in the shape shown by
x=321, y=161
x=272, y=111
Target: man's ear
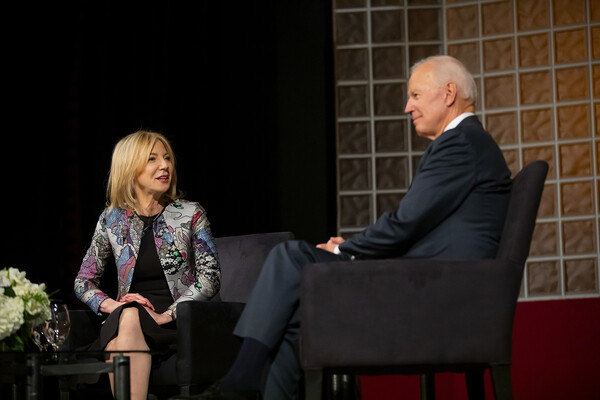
x=450, y=92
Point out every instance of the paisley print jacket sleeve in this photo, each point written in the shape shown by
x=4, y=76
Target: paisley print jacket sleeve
x=92, y=268
x=183, y=242
x=193, y=274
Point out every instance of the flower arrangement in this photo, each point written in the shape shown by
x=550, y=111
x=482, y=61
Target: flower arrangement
x=22, y=305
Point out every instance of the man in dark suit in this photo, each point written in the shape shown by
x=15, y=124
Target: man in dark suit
x=454, y=208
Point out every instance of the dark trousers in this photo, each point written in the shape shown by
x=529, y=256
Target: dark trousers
x=271, y=313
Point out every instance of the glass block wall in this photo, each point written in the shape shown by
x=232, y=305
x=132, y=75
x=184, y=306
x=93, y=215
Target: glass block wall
x=537, y=65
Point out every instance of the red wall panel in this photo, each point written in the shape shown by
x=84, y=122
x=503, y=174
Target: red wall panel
x=556, y=355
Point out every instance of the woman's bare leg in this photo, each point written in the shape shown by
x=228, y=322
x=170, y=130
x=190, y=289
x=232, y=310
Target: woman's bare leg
x=130, y=337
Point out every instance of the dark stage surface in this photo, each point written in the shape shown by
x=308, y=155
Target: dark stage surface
x=243, y=90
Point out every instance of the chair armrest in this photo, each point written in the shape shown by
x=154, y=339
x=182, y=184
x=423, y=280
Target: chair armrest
x=407, y=312
x=206, y=346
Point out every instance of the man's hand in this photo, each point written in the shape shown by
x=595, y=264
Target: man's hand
x=331, y=244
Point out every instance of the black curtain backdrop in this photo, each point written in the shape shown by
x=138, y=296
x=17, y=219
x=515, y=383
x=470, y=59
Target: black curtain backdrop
x=244, y=91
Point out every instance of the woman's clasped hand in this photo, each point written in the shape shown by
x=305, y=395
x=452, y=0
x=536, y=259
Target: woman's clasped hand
x=129, y=297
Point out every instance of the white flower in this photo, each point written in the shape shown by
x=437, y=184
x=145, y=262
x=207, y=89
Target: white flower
x=21, y=302
x=4, y=281
x=17, y=277
x=22, y=289
x=11, y=315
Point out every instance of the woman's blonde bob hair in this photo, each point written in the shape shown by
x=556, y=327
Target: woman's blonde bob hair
x=129, y=158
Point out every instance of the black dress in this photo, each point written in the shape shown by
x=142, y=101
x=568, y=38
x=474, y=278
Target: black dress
x=149, y=281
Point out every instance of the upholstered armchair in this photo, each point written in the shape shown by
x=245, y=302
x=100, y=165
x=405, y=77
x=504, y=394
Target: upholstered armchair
x=422, y=316
x=206, y=346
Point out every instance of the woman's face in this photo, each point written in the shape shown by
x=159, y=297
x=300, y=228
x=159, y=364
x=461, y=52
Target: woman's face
x=155, y=178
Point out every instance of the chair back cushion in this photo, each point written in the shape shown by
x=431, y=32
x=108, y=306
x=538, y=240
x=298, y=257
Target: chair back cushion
x=241, y=259
x=522, y=211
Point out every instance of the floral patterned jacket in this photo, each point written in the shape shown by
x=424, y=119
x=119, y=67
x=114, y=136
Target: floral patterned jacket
x=185, y=249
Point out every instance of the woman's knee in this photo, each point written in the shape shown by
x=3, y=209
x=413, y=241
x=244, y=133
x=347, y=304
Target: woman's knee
x=129, y=319
x=130, y=313
x=130, y=329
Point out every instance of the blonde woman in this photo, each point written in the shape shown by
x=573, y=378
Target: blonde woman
x=163, y=249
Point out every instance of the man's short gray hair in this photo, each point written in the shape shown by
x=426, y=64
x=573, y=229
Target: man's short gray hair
x=449, y=69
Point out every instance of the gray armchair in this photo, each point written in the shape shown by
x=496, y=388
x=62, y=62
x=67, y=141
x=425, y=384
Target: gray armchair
x=422, y=316
x=206, y=346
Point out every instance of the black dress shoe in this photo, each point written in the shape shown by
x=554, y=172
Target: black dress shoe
x=214, y=392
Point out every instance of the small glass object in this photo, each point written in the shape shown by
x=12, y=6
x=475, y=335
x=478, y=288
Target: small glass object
x=58, y=326
x=38, y=333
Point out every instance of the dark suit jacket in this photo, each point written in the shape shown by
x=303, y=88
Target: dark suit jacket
x=455, y=206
